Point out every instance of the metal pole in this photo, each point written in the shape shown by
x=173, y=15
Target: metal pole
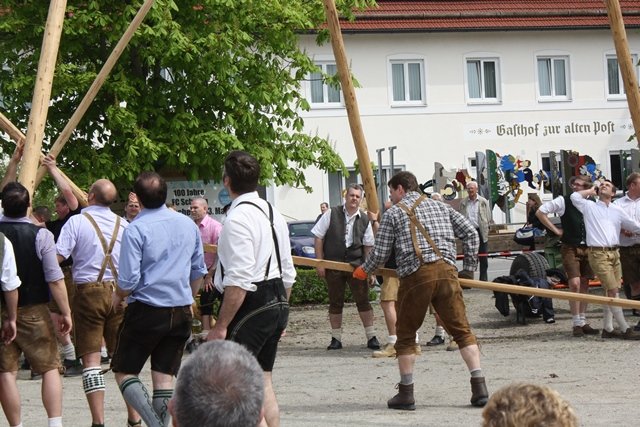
x=380, y=183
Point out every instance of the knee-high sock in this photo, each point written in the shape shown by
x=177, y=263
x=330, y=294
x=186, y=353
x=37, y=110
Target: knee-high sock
x=136, y=395
x=619, y=316
x=607, y=318
x=160, y=404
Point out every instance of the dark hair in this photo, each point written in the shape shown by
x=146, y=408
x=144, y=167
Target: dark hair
x=406, y=179
x=15, y=200
x=243, y=171
x=151, y=190
x=61, y=199
x=43, y=212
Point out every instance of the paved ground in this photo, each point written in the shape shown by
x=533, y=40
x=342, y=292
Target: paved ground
x=348, y=387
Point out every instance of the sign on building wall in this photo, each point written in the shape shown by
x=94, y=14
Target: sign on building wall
x=543, y=129
x=180, y=194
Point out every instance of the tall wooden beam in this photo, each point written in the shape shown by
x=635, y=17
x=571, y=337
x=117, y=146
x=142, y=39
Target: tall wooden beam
x=18, y=136
x=96, y=85
x=627, y=67
x=42, y=93
x=351, y=103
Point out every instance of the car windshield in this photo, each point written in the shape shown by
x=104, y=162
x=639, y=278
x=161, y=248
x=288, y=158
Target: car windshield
x=301, y=229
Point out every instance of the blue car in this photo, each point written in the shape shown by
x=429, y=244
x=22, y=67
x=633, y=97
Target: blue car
x=301, y=238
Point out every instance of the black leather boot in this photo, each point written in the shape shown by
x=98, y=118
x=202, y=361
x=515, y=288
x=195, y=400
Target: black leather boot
x=479, y=393
x=404, y=399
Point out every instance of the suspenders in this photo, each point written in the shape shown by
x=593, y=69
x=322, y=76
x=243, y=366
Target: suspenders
x=107, y=249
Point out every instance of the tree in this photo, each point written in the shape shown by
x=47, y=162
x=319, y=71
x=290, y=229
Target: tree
x=200, y=78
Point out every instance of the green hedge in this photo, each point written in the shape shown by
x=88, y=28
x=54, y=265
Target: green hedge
x=311, y=289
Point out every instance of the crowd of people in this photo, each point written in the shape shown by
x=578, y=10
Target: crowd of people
x=120, y=290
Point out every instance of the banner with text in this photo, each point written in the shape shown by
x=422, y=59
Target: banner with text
x=180, y=194
x=563, y=129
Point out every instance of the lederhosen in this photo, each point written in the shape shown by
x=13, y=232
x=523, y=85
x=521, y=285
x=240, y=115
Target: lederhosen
x=264, y=314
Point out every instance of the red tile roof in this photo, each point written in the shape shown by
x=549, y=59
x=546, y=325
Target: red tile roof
x=485, y=15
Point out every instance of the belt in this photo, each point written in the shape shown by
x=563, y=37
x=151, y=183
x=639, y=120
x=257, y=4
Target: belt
x=600, y=248
x=105, y=283
x=636, y=246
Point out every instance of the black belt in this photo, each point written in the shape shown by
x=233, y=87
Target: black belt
x=601, y=248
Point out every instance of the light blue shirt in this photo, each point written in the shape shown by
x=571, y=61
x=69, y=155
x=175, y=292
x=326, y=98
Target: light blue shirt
x=161, y=254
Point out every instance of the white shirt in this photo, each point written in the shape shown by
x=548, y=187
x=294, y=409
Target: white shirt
x=79, y=239
x=9, y=279
x=322, y=226
x=555, y=206
x=632, y=208
x=246, y=243
x=472, y=212
x=603, y=222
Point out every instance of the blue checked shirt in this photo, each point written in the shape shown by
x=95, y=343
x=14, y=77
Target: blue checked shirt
x=443, y=224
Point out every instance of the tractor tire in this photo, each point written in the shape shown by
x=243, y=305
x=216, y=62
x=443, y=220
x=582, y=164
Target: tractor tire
x=533, y=263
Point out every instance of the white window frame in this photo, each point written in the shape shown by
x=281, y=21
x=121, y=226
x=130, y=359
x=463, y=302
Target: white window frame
x=617, y=96
x=553, y=57
x=405, y=60
x=322, y=64
x=483, y=58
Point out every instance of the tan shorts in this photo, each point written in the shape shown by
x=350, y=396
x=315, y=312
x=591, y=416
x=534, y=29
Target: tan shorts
x=71, y=290
x=94, y=318
x=575, y=260
x=606, y=265
x=389, y=289
x=35, y=338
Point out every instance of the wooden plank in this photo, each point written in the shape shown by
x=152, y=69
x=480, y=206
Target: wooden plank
x=96, y=85
x=351, y=104
x=42, y=94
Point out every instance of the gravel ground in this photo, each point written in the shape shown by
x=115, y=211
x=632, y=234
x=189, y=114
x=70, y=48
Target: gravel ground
x=316, y=387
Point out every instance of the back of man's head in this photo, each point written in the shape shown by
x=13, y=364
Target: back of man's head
x=151, y=190
x=104, y=191
x=42, y=213
x=406, y=179
x=15, y=200
x=221, y=384
x=243, y=171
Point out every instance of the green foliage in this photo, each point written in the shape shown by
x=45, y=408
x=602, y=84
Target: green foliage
x=311, y=289
x=199, y=78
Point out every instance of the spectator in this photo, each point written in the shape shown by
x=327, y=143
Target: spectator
x=477, y=209
x=528, y=405
x=345, y=234
x=220, y=385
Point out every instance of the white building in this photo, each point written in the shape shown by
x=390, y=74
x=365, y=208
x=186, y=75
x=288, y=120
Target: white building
x=441, y=80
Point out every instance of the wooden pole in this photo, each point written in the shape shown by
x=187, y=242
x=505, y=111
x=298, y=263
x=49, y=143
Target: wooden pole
x=491, y=286
x=17, y=136
x=351, y=103
x=42, y=93
x=96, y=85
x=627, y=67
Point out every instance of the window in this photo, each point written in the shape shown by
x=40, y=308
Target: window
x=407, y=82
x=615, y=85
x=322, y=93
x=483, y=78
x=553, y=78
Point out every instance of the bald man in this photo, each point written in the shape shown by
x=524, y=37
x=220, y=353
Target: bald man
x=93, y=240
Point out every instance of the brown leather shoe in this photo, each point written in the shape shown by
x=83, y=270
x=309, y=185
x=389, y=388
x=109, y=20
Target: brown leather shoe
x=578, y=331
x=479, y=393
x=588, y=330
x=404, y=399
x=612, y=334
x=630, y=334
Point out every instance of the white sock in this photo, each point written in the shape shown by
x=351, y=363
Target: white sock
x=417, y=338
x=370, y=332
x=55, y=422
x=337, y=334
x=69, y=351
x=583, y=317
x=439, y=331
x=103, y=352
x=577, y=321
x=607, y=318
x=392, y=339
x=619, y=316
x=17, y=425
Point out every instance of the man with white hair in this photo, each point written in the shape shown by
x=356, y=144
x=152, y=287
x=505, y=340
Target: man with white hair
x=477, y=209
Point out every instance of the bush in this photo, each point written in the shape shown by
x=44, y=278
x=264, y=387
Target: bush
x=311, y=289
